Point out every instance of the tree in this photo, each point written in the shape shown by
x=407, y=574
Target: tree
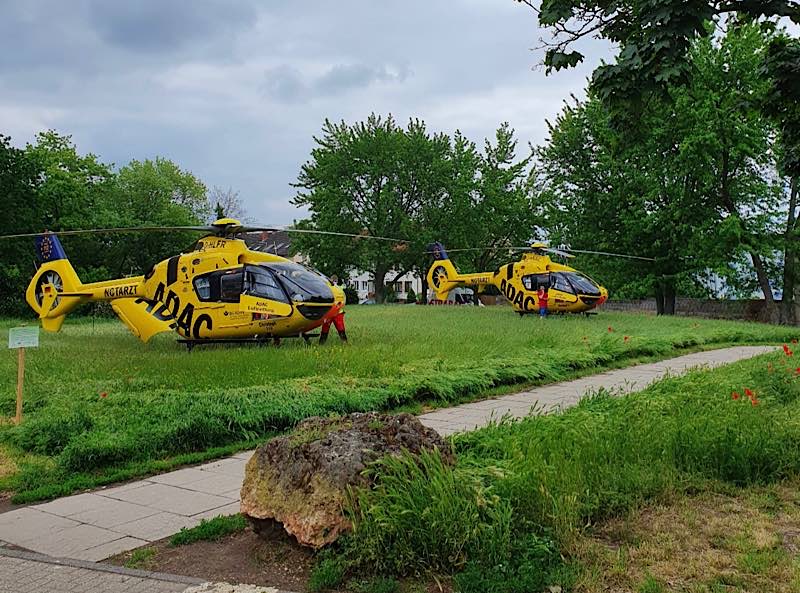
x=380, y=179
x=74, y=191
x=692, y=189
x=504, y=214
x=154, y=193
x=781, y=67
x=372, y=178
x=227, y=204
x=654, y=39
x=19, y=179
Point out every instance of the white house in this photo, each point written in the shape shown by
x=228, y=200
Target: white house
x=364, y=284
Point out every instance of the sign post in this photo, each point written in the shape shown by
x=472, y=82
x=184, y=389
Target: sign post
x=21, y=338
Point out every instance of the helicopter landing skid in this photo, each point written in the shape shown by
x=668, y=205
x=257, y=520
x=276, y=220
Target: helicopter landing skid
x=190, y=344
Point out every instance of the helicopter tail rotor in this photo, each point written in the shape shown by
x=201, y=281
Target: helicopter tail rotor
x=442, y=273
x=51, y=289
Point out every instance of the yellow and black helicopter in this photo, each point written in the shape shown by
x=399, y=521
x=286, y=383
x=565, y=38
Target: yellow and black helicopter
x=569, y=290
x=219, y=291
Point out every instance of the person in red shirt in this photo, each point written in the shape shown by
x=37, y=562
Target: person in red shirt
x=543, y=296
x=337, y=320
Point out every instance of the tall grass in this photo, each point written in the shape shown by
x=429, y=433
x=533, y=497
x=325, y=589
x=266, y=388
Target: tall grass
x=547, y=477
x=98, y=400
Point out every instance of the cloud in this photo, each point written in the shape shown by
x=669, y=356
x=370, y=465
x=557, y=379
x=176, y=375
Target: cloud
x=343, y=77
x=285, y=83
x=288, y=84
x=164, y=25
x=236, y=91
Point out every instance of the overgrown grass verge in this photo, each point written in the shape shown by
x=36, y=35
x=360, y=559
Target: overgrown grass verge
x=209, y=530
x=521, y=492
x=104, y=408
x=40, y=479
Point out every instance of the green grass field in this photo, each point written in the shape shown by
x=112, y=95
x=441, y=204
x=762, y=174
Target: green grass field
x=100, y=406
x=524, y=497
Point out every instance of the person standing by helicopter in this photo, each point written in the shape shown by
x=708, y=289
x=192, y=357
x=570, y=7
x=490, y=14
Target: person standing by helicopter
x=543, y=297
x=337, y=321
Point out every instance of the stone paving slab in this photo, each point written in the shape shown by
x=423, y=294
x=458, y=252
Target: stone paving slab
x=545, y=399
x=99, y=524
x=26, y=572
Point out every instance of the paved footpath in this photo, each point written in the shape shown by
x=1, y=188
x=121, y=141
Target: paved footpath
x=26, y=572
x=563, y=395
x=99, y=524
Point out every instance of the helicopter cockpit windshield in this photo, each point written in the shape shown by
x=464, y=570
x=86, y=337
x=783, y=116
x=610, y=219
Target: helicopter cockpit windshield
x=302, y=284
x=582, y=284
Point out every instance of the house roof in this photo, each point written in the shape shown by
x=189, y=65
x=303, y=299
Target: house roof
x=277, y=242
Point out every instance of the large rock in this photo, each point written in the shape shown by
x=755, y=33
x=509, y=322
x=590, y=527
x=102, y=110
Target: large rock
x=301, y=479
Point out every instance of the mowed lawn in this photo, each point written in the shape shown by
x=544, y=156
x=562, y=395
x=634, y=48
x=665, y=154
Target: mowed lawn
x=101, y=406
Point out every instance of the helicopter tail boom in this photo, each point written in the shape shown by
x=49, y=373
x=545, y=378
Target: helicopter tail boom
x=56, y=290
x=444, y=277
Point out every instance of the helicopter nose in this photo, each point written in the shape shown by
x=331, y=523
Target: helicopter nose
x=603, y=295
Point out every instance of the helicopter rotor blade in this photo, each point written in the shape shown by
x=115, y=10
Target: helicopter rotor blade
x=564, y=252
x=209, y=229
x=252, y=229
x=608, y=254
x=558, y=252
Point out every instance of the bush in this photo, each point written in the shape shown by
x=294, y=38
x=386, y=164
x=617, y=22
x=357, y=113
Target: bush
x=327, y=573
x=48, y=435
x=532, y=565
x=424, y=515
x=92, y=450
x=351, y=295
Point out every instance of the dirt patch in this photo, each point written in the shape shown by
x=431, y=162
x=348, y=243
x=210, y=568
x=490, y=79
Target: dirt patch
x=243, y=557
x=743, y=541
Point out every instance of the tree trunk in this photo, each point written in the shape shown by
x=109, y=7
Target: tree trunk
x=790, y=260
x=659, y=298
x=665, y=296
x=380, y=286
x=771, y=313
x=669, y=297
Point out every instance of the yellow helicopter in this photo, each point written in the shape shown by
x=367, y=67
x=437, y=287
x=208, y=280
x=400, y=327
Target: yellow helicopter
x=219, y=292
x=569, y=291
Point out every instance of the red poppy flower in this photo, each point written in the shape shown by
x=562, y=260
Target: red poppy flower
x=627, y=338
x=735, y=395
x=787, y=351
x=748, y=392
x=611, y=329
x=754, y=401
x=103, y=394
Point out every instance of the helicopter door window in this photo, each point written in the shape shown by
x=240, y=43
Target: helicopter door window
x=534, y=281
x=202, y=287
x=559, y=282
x=527, y=282
x=261, y=283
x=230, y=287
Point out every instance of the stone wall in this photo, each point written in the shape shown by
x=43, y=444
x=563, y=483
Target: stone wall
x=750, y=310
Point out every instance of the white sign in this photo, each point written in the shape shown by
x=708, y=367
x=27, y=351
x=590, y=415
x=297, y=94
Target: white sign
x=23, y=337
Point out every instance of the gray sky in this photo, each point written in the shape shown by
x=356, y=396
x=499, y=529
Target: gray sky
x=234, y=91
